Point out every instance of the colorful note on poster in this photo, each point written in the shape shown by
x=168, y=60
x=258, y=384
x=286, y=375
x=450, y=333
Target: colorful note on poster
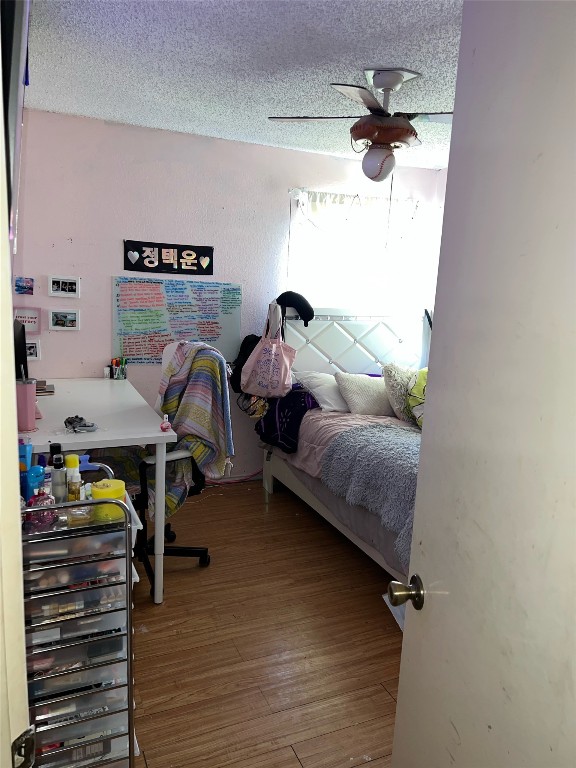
x=149, y=313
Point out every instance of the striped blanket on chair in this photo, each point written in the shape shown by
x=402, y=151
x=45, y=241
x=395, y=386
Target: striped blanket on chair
x=194, y=395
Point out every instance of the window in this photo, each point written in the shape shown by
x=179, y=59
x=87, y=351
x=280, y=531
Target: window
x=371, y=254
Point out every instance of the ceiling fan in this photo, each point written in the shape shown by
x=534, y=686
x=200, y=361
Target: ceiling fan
x=380, y=131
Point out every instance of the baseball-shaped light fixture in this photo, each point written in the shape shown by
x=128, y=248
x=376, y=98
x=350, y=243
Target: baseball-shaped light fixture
x=378, y=162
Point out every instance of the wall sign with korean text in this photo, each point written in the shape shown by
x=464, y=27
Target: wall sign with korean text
x=195, y=260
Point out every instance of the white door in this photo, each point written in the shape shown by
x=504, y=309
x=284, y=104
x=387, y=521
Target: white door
x=488, y=665
x=13, y=692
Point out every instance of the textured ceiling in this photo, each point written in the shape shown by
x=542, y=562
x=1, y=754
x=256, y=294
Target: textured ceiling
x=220, y=67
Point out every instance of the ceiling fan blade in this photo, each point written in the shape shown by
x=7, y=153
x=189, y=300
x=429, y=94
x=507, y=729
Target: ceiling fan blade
x=303, y=118
x=427, y=117
x=361, y=96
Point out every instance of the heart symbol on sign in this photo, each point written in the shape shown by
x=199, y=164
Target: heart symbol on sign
x=133, y=256
x=204, y=261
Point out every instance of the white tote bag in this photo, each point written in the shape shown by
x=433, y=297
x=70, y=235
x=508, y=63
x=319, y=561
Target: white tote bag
x=267, y=372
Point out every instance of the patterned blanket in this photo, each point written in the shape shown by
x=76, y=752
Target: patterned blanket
x=194, y=395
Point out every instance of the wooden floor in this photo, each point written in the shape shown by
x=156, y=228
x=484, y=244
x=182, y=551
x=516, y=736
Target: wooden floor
x=280, y=654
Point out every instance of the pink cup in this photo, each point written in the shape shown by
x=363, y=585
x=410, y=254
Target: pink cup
x=26, y=404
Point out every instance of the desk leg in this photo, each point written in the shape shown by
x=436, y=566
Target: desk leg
x=159, y=520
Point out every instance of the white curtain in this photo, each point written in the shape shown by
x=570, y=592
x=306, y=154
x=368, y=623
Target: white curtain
x=369, y=254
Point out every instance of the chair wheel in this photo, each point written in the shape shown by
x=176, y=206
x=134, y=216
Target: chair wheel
x=169, y=534
x=204, y=561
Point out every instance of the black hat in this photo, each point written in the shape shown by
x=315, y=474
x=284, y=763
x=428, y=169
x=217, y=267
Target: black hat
x=296, y=300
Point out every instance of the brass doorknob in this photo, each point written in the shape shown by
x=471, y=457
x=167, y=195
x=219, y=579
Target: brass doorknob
x=399, y=593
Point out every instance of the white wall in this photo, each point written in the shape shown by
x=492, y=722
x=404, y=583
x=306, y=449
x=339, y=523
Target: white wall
x=87, y=185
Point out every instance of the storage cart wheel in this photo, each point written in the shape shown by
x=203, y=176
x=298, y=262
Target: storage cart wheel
x=204, y=561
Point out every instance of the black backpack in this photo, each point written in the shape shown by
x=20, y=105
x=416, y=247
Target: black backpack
x=246, y=348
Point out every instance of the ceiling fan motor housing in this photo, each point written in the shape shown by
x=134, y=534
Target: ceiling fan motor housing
x=394, y=131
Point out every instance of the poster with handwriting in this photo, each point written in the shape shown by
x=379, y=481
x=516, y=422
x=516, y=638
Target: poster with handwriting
x=149, y=313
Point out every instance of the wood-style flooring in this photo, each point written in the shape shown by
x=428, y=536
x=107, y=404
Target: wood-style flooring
x=280, y=654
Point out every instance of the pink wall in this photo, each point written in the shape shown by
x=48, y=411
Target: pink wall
x=88, y=184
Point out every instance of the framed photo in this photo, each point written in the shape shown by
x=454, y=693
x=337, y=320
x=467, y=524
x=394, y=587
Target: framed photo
x=33, y=351
x=64, y=319
x=29, y=317
x=64, y=287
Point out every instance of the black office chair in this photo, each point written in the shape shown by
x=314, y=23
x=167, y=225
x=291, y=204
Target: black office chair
x=144, y=546
x=194, y=383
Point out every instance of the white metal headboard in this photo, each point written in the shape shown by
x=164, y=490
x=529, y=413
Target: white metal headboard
x=340, y=341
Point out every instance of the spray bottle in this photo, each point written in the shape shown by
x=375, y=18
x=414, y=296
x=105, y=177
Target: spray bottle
x=73, y=479
x=59, y=480
x=34, y=480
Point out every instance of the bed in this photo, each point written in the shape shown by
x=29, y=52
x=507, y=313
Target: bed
x=313, y=464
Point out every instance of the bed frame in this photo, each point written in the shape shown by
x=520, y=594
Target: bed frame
x=276, y=469
x=337, y=340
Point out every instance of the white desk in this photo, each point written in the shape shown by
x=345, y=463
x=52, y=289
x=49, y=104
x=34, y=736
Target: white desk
x=123, y=418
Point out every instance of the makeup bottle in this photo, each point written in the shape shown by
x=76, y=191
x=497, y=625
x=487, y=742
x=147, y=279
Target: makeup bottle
x=74, y=485
x=47, y=473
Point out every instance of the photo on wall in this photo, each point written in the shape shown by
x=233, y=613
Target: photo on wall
x=64, y=320
x=24, y=286
x=64, y=287
x=33, y=351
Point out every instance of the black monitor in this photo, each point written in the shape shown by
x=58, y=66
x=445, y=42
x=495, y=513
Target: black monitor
x=20, y=350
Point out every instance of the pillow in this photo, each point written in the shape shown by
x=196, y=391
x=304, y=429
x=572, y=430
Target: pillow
x=324, y=388
x=396, y=380
x=364, y=394
x=417, y=394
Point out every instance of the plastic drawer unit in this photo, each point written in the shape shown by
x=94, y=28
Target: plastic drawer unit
x=77, y=592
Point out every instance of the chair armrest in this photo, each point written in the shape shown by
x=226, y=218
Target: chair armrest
x=95, y=466
x=172, y=456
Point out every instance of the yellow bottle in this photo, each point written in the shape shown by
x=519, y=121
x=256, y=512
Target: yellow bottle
x=71, y=461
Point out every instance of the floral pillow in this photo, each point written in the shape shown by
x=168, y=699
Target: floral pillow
x=417, y=394
x=397, y=380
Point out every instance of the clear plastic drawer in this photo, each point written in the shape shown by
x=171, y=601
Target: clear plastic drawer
x=100, y=545
x=91, y=753
x=85, y=627
x=75, y=657
x=81, y=575
x=40, y=609
x=72, y=709
x=74, y=734
x=78, y=681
